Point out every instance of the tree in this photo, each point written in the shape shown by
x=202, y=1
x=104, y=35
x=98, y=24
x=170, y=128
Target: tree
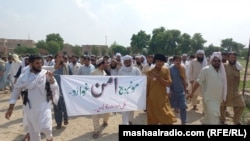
x=56, y=38
x=158, y=41
x=23, y=50
x=185, y=44
x=53, y=47
x=41, y=44
x=230, y=45
x=172, y=39
x=139, y=41
x=197, y=42
x=210, y=49
x=115, y=48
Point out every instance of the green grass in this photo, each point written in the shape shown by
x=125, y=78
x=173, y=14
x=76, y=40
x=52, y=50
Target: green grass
x=242, y=74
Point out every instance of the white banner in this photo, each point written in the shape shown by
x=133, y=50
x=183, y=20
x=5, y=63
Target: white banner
x=88, y=95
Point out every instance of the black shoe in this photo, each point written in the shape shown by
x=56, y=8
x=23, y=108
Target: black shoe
x=130, y=123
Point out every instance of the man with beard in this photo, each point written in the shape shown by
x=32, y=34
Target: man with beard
x=138, y=62
x=194, y=70
x=128, y=70
x=213, y=80
x=113, y=67
x=234, y=97
x=37, y=105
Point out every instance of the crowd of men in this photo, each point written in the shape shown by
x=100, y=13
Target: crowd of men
x=171, y=81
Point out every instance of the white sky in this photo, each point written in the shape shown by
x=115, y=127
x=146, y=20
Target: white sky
x=82, y=22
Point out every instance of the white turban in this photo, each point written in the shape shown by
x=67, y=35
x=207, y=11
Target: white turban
x=118, y=54
x=16, y=58
x=200, y=52
x=204, y=63
x=127, y=57
x=223, y=74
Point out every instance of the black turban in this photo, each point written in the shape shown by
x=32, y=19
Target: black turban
x=160, y=57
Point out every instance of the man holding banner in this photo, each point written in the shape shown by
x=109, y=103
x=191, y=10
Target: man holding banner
x=128, y=70
x=95, y=118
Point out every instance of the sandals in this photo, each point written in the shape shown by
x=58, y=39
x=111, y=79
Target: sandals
x=95, y=135
x=105, y=124
x=66, y=122
x=26, y=137
x=58, y=126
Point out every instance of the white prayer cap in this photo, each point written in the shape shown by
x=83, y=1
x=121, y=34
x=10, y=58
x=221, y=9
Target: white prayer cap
x=200, y=51
x=184, y=54
x=99, y=61
x=127, y=57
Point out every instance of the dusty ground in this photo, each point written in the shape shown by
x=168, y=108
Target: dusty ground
x=79, y=128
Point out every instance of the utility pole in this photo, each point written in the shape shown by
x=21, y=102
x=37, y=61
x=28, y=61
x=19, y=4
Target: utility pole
x=247, y=58
x=106, y=42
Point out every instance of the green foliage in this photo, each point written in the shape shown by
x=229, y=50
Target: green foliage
x=53, y=47
x=115, y=48
x=210, y=49
x=56, y=38
x=23, y=50
x=41, y=44
x=197, y=42
x=139, y=41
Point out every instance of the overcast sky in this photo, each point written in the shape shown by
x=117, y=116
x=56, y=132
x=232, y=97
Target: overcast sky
x=97, y=22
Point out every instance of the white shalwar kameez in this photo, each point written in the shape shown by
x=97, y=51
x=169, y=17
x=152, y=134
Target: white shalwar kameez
x=212, y=92
x=128, y=71
x=38, y=111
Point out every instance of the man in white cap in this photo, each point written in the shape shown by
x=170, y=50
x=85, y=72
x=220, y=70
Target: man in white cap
x=128, y=70
x=194, y=70
x=213, y=80
x=101, y=64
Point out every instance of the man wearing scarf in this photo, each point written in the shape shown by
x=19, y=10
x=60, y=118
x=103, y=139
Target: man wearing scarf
x=234, y=97
x=213, y=82
x=128, y=70
x=148, y=65
x=37, y=108
x=159, y=110
x=16, y=63
x=194, y=70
